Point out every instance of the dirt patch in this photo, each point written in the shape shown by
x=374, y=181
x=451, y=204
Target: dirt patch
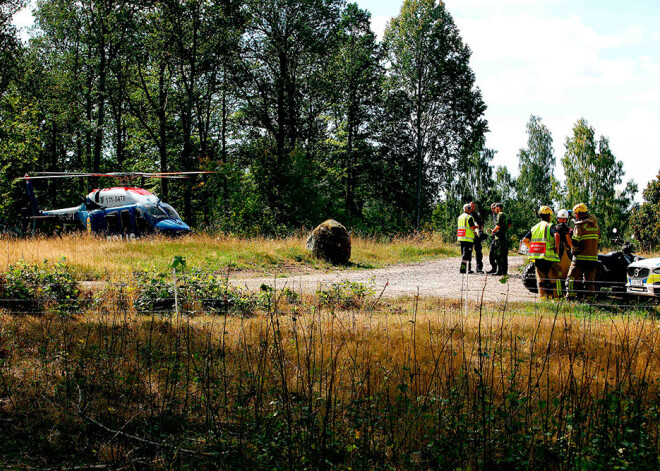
x=438, y=278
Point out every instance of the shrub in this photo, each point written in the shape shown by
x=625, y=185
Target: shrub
x=197, y=292
x=32, y=288
x=345, y=295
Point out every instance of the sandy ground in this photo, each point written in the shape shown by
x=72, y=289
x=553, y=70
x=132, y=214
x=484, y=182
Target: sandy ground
x=438, y=278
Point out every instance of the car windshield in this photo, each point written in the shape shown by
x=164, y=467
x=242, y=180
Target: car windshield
x=171, y=212
x=155, y=213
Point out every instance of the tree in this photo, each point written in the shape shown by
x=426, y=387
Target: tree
x=472, y=180
x=592, y=175
x=197, y=34
x=536, y=182
x=20, y=150
x=353, y=80
x=645, y=219
x=10, y=45
x=536, y=164
x=430, y=65
x=277, y=68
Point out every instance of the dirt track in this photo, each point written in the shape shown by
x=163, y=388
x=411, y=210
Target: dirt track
x=438, y=278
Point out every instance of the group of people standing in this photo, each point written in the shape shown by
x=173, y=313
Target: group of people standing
x=471, y=236
x=549, y=244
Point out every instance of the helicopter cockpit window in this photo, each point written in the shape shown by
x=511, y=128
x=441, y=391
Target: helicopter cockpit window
x=156, y=213
x=171, y=212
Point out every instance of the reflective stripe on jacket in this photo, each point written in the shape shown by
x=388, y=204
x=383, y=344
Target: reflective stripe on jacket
x=464, y=232
x=586, y=238
x=543, y=243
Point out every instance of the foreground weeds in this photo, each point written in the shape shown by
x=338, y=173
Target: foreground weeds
x=304, y=383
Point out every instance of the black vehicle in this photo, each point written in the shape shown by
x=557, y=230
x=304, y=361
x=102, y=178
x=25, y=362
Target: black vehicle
x=612, y=269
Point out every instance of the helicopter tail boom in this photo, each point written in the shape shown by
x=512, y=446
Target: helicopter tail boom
x=33, y=199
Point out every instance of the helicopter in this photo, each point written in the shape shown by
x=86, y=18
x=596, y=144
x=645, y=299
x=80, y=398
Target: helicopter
x=121, y=212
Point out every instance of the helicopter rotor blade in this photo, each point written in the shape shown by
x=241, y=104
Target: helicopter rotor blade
x=125, y=175
x=37, y=177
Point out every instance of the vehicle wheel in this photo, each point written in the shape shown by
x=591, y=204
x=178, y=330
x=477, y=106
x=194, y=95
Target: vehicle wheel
x=529, y=277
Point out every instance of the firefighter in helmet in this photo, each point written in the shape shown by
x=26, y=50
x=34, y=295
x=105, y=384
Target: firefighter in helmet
x=585, y=239
x=543, y=244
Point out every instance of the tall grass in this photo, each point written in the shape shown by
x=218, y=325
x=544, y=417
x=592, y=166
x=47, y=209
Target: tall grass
x=94, y=255
x=411, y=385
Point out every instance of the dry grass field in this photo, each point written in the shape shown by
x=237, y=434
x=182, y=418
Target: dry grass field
x=339, y=379
x=94, y=255
x=314, y=383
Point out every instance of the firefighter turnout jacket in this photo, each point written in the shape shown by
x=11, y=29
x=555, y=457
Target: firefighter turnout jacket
x=586, y=237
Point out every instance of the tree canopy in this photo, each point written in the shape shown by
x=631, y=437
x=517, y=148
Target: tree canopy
x=299, y=110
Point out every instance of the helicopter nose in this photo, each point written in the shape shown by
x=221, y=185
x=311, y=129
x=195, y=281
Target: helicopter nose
x=173, y=226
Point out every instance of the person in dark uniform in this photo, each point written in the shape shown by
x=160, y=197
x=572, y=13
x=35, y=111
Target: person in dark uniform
x=499, y=249
x=478, y=250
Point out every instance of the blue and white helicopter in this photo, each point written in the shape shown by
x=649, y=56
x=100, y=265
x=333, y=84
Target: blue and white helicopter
x=121, y=212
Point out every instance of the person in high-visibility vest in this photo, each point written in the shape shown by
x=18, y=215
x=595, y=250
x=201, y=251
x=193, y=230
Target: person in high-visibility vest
x=467, y=231
x=585, y=238
x=543, y=244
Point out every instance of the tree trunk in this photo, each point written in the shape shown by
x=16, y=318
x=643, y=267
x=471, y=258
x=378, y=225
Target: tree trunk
x=420, y=167
x=100, y=118
x=162, y=128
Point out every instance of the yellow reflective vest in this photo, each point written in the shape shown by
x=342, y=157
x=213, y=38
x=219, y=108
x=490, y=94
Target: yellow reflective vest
x=543, y=243
x=465, y=232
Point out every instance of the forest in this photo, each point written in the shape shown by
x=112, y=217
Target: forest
x=302, y=112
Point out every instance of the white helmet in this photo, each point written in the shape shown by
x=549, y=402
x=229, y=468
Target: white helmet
x=562, y=213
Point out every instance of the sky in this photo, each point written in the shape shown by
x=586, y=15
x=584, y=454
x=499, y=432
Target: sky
x=560, y=60
x=563, y=60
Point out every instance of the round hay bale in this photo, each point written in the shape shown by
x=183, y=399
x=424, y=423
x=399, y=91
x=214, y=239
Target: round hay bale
x=330, y=241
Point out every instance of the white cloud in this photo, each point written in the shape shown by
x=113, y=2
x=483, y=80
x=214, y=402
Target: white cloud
x=471, y=5
x=630, y=138
x=562, y=69
x=378, y=24
x=650, y=65
x=646, y=97
x=543, y=71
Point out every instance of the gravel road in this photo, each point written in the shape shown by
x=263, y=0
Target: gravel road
x=438, y=278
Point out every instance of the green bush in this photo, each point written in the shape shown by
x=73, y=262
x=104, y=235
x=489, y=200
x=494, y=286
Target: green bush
x=32, y=288
x=345, y=295
x=197, y=292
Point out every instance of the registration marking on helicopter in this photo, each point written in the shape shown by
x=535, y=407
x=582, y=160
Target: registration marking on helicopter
x=113, y=199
